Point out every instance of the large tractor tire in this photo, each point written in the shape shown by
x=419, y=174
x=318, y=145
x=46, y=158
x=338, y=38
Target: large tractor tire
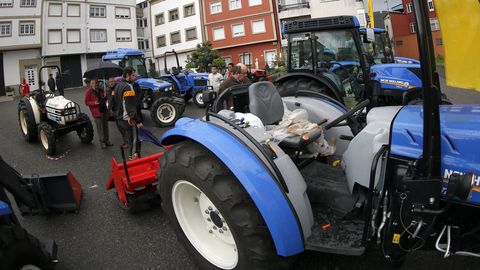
x=47, y=138
x=26, y=120
x=198, y=99
x=290, y=86
x=212, y=214
x=165, y=112
x=85, y=133
x=20, y=250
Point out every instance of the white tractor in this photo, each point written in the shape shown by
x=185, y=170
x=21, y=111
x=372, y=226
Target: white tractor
x=42, y=114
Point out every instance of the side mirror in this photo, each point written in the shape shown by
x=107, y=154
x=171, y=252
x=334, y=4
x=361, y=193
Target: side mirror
x=209, y=96
x=370, y=35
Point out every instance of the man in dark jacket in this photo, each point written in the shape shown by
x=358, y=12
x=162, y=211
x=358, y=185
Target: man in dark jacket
x=60, y=84
x=51, y=83
x=239, y=76
x=125, y=105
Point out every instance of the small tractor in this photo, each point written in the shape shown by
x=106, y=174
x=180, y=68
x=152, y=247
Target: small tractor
x=42, y=114
x=35, y=195
x=240, y=198
x=189, y=85
x=340, y=67
x=159, y=97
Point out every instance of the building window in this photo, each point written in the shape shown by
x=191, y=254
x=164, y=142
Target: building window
x=98, y=35
x=54, y=10
x=6, y=3
x=161, y=42
x=412, y=28
x=124, y=35
x=189, y=10
x=258, y=27
x=173, y=15
x=28, y=3
x=54, y=36
x=439, y=41
x=399, y=42
x=159, y=19
x=142, y=22
x=142, y=5
x=122, y=13
x=431, y=7
x=238, y=30
x=234, y=4
x=143, y=44
x=5, y=29
x=175, y=37
x=270, y=58
x=228, y=60
x=191, y=34
x=73, y=10
x=218, y=33
x=434, y=25
x=409, y=7
x=98, y=11
x=252, y=3
x=215, y=7
x=73, y=35
x=27, y=28
x=246, y=58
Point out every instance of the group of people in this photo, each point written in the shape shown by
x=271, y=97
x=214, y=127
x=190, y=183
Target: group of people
x=235, y=75
x=57, y=83
x=120, y=100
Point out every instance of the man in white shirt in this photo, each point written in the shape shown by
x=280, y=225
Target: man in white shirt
x=215, y=79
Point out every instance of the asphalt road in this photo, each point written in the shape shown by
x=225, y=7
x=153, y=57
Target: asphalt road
x=103, y=236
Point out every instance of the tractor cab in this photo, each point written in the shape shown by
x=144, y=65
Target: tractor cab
x=377, y=46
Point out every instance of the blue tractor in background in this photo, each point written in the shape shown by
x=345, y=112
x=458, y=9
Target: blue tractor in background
x=187, y=84
x=159, y=97
x=341, y=67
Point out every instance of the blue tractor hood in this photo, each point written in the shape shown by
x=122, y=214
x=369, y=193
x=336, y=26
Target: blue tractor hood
x=460, y=139
x=397, y=76
x=154, y=84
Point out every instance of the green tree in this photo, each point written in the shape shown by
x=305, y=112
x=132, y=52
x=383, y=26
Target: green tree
x=204, y=56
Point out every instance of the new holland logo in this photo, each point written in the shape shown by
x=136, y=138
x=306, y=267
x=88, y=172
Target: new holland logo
x=397, y=83
x=475, y=179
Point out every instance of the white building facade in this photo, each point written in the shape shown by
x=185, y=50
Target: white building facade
x=76, y=33
x=176, y=25
x=20, y=42
x=144, y=33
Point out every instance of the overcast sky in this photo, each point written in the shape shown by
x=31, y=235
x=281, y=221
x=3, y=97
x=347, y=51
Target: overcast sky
x=377, y=4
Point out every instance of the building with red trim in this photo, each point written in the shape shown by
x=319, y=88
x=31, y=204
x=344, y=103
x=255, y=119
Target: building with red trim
x=402, y=30
x=243, y=31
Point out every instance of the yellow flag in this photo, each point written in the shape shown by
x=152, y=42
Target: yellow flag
x=460, y=26
x=371, y=24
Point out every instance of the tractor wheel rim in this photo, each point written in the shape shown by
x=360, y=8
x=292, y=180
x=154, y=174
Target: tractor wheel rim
x=23, y=122
x=199, y=98
x=166, y=112
x=44, y=139
x=30, y=267
x=203, y=225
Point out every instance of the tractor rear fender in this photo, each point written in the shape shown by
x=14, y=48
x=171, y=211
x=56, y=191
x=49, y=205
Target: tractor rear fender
x=320, y=78
x=32, y=108
x=287, y=225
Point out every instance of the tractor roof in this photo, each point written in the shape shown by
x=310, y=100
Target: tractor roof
x=121, y=53
x=375, y=30
x=328, y=23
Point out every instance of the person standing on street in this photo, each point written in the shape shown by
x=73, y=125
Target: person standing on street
x=229, y=72
x=215, y=79
x=125, y=104
x=95, y=99
x=51, y=83
x=60, y=84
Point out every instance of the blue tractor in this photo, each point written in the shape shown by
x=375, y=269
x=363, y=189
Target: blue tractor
x=159, y=97
x=341, y=68
x=240, y=198
x=187, y=84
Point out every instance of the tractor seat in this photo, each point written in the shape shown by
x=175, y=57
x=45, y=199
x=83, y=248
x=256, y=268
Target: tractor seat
x=265, y=102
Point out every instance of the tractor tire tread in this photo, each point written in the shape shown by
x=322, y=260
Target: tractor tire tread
x=88, y=138
x=32, y=128
x=290, y=86
x=51, y=138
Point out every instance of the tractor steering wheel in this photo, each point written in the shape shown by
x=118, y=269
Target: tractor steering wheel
x=352, y=122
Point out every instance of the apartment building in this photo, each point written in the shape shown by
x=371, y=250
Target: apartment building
x=402, y=30
x=77, y=33
x=176, y=25
x=20, y=42
x=243, y=31
x=144, y=33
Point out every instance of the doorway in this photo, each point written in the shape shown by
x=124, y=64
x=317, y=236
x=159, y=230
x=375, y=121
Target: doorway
x=72, y=70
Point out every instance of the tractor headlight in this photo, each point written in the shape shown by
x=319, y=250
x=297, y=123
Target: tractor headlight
x=168, y=88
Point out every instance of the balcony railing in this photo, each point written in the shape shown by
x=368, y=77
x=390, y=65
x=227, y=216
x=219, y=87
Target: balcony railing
x=291, y=4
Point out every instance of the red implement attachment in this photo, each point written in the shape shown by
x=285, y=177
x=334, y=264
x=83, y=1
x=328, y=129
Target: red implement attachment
x=140, y=178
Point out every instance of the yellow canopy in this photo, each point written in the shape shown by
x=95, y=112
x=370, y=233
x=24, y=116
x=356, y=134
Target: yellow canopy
x=460, y=26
